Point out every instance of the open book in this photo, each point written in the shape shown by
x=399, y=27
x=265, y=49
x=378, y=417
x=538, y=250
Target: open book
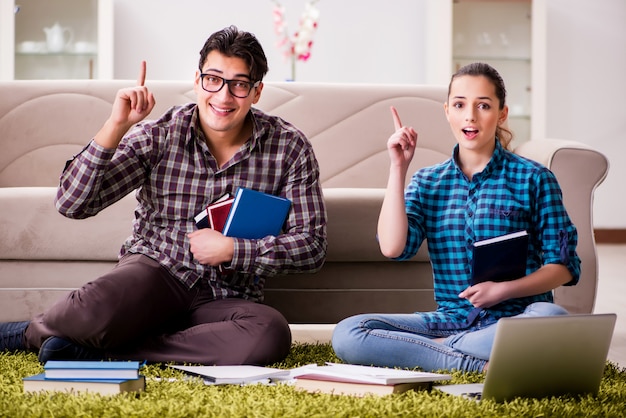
x=356, y=380
x=353, y=373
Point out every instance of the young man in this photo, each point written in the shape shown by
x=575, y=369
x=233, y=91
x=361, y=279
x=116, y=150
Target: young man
x=178, y=293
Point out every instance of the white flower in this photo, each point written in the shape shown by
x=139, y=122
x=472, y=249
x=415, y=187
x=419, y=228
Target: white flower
x=299, y=45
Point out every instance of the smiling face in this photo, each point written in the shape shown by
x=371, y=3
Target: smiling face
x=223, y=115
x=473, y=111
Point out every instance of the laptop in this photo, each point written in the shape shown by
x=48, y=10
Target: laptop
x=538, y=357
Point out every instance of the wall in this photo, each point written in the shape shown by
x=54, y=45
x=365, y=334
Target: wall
x=356, y=41
x=585, y=86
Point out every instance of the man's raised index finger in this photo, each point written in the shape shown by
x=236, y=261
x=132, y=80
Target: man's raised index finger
x=142, y=74
x=396, y=118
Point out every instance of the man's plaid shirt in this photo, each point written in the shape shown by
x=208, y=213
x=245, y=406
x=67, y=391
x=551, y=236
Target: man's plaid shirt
x=169, y=164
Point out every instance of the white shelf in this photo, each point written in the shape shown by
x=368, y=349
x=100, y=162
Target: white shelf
x=89, y=49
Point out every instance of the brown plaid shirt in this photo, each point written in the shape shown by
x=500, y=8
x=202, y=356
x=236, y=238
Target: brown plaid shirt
x=169, y=164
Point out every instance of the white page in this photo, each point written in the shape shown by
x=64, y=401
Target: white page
x=366, y=374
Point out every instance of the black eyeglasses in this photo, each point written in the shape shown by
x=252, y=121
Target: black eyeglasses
x=238, y=88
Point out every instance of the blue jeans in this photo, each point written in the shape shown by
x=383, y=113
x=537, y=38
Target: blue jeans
x=404, y=340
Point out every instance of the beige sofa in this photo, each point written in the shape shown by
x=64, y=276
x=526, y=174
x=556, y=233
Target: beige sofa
x=43, y=255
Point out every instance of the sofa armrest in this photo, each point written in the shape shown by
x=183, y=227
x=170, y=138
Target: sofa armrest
x=579, y=170
x=28, y=217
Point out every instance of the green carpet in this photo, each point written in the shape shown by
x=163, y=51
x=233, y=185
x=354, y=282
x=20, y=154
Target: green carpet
x=190, y=398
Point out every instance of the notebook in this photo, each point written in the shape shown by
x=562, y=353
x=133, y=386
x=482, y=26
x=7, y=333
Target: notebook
x=255, y=214
x=544, y=356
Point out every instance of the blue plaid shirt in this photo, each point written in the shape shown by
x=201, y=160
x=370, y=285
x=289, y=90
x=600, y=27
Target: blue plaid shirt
x=451, y=212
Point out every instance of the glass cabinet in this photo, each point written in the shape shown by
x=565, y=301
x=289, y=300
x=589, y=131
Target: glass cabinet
x=56, y=39
x=498, y=33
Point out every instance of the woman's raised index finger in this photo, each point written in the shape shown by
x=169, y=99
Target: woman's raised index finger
x=396, y=118
x=142, y=74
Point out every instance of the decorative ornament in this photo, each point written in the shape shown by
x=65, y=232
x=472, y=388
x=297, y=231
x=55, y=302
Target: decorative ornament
x=298, y=46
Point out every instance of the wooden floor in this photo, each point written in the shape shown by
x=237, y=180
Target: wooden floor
x=611, y=295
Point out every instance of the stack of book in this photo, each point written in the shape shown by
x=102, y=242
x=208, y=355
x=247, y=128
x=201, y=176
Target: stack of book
x=248, y=214
x=104, y=377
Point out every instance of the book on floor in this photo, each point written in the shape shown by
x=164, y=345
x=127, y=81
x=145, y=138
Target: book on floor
x=76, y=369
x=501, y=258
x=352, y=373
x=356, y=389
x=215, y=214
x=39, y=383
x=237, y=374
x=255, y=214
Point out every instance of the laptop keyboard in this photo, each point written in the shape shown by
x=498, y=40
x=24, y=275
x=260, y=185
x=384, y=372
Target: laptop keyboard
x=477, y=396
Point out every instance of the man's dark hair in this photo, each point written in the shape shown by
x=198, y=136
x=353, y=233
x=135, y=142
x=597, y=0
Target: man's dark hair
x=232, y=42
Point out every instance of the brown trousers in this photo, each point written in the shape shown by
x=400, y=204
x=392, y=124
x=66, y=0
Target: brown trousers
x=139, y=311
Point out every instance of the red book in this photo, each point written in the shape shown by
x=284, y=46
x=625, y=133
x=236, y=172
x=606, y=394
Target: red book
x=218, y=213
x=215, y=215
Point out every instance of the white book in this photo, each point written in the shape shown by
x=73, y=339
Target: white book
x=352, y=373
x=499, y=238
x=237, y=374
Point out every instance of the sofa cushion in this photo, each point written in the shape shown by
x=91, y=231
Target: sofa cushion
x=32, y=228
x=44, y=234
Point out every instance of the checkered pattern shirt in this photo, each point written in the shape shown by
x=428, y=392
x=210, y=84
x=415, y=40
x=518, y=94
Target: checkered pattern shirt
x=175, y=176
x=452, y=212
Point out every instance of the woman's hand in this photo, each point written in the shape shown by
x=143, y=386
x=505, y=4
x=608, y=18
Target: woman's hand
x=392, y=221
x=545, y=279
x=401, y=144
x=485, y=294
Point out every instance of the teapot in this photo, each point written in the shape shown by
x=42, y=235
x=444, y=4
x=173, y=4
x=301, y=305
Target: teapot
x=58, y=37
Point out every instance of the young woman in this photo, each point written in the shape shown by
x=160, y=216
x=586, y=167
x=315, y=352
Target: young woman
x=481, y=192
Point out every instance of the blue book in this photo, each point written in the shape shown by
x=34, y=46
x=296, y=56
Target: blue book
x=39, y=383
x=56, y=369
x=255, y=214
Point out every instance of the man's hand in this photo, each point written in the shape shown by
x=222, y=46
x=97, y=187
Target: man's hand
x=131, y=105
x=401, y=145
x=211, y=247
